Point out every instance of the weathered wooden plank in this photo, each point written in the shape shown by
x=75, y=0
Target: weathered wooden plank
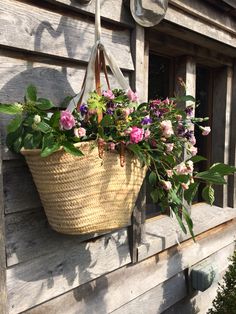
x=28, y=236
x=173, y=290
x=112, y=10
x=232, y=145
x=53, y=81
x=157, y=299
x=206, y=13
x=71, y=36
x=221, y=124
x=170, y=45
x=49, y=276
x=164, y=232
x=3, y=294
x=200, y=302
x=20, y=192
x=112, y=291
x=200, y=26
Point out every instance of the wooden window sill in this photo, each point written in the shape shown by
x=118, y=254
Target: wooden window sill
x=162, y=232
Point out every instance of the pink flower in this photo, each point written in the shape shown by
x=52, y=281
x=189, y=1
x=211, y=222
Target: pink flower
x=166, y=185
x=185, y=186
x=169, y=147
x=178, y=117
x=169, y=173
x=67, y=121
x=166, y=101
x=108, y=94
x=167, y=129
x=132, y=96
x=111, y=146
x=79, y=132
x=181, y=169
x=193, y=150
x=136, y=135
x=192, y=140
x=205, y=130
x=147, y=134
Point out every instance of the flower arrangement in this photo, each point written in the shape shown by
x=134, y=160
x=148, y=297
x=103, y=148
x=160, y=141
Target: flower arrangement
x=157, y=132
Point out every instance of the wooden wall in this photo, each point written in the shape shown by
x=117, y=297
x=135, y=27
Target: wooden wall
x=47, y=43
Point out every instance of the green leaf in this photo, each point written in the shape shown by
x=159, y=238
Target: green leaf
x=14, y=124
x=43, y=127
x=37, y=139
x=211, y=177
x=188, y=221
x=18, y=144
x=50, y=150
x=31, y=93
x=222, y=169
x=152, y=178
x=28, y=141
x=44, y=104
x=191, y=192
x=107, y=121
x=12, y=138
x=154, y=195
x=54, y=120
x=208, y=194
x=197, y=158
x=71, y=149
x=176, y=212
x=10, y=109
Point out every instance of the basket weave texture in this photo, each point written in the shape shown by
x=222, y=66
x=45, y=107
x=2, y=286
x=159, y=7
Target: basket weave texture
x=86, y=194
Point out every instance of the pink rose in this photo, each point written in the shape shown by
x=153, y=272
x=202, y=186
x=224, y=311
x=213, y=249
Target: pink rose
x=147, y=134
x=79, y=132
x=166, y=185
x=166, y=101
x=169, y=147
x=132, y=96
x=136, y=135
x=205, y=130
x=193, y=150
x=108, y=94
x=67, y=121
x=167, y=129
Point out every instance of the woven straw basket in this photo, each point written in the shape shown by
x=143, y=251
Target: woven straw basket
x=86, y=194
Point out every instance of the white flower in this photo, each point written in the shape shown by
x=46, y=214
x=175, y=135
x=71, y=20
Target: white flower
x=37, y=119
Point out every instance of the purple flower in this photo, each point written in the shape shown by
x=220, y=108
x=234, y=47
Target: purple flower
x=83, y=109
x=109, y=111
x=180, y=130
x=146, y=120
x=189, y=111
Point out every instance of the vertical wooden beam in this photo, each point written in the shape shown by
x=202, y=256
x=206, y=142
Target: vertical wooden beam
x=139, y=83
x=222, y=92
x=3, y=293
x=232, y=146
x=185, y=68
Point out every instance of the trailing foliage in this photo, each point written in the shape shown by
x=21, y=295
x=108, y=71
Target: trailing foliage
x=225, y=300
x=156, y=132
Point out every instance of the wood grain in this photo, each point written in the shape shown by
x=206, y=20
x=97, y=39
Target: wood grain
x=121, y=14
x=29, y=236
x=48, y=276
x=128, y=284
x=165, y=232
x=71, y=36
x=3, y=293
